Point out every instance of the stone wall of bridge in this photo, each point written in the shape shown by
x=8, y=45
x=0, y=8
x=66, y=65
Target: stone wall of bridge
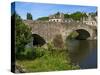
x=48, y=30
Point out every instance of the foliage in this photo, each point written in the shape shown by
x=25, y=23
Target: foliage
x=78, y=15
x=29, y=16
x=75, y=16
x=22, y=34
x=58, y=60
x=50, y=46
x=67, y=16
x=32, y=53
x=43, y=18
x=50, y=59
x=39, y=51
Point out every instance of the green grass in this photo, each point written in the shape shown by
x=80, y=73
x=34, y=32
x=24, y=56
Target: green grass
x=54, y=60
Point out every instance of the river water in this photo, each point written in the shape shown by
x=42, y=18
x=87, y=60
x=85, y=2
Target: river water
x=83, y=53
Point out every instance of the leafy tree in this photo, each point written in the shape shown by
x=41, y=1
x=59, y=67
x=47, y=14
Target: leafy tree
x=29, y=16
x=78, y=15
x=66, y=16
x=43, y=18
x=22, y=34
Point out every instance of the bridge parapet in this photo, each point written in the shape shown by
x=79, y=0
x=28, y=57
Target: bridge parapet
x=48, y=30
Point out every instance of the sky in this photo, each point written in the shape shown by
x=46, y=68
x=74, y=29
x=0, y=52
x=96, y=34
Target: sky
x=42, y=9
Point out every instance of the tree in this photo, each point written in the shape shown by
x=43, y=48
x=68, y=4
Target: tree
x=22, y=34
x=43, y=18
x=66, y=16
x=29, y=16
x=78, y=15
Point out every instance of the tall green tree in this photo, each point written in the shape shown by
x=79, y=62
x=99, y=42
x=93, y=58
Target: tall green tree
x=22, y=34
x=29, y=16
x=66, y=16
x=43, y=18
x=78, y=15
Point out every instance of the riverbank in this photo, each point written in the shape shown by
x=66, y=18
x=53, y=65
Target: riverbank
x=53, y=60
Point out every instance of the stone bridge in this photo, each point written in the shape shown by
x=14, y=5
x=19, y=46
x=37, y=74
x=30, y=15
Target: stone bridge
x=48, y=30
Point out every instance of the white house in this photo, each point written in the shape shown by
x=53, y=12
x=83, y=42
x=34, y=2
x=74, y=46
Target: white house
x=58, y=17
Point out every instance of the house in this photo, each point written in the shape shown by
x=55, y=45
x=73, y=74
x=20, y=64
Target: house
x=90, y=20
x=58, y=17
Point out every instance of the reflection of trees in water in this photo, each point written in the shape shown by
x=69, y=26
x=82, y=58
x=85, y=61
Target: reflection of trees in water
x=80, y=49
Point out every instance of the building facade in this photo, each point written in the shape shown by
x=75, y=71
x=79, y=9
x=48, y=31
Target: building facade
x=90, y=20
x=58, y=17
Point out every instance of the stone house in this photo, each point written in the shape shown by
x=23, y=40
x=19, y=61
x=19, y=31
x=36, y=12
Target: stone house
x=90, y=20
x=58, y=17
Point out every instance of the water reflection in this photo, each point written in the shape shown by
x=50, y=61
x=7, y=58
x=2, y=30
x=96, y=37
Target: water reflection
x=83, y=53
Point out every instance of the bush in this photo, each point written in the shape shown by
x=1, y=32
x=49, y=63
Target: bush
x=38, y=51
x=31, y=53
x=22, y=34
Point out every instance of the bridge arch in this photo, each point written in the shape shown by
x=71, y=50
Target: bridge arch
x=38, y=40
x=85, y=32
x=82, y=34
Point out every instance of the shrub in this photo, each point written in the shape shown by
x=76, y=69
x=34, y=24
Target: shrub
x=38, y=51
x=22, y=34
